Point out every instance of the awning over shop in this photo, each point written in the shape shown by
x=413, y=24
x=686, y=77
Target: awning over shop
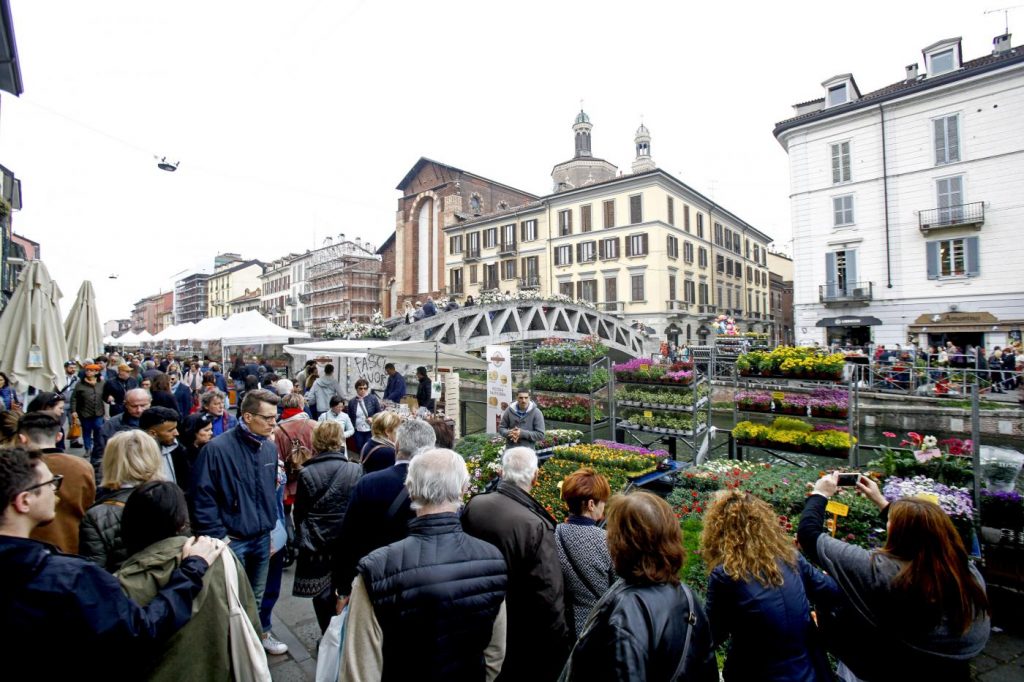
x=961, y=322
x=865, y=321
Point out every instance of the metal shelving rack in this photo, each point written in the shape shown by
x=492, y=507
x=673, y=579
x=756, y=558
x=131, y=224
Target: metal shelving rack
x=598, y=395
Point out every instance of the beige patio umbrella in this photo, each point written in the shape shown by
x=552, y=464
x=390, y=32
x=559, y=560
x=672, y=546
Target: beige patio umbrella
x=82, y=328
x=32, y=345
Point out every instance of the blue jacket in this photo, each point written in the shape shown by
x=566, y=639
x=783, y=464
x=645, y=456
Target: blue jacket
x=370, y=402
x=395, y=388
x=224, y=423
x=183, y=396
x=221, y=382
x=234, y=485
x=773, y=637
x=56, y=602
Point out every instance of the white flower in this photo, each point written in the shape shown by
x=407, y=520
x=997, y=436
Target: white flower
x=929, y=442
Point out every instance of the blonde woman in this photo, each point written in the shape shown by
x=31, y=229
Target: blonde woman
x=758, y=589
x=379, y=451
x=130, y=459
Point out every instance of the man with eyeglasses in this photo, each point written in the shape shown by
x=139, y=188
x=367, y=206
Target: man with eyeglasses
x=234, y=490
x=56, y=603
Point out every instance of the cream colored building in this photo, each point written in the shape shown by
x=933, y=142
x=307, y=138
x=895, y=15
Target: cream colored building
x=232, y=278
x=644, y=246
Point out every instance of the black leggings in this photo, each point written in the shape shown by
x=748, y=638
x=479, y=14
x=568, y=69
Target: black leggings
x=325, y=607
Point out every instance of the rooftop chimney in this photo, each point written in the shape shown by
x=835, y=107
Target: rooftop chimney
x=912, y=71
x=1001, y=44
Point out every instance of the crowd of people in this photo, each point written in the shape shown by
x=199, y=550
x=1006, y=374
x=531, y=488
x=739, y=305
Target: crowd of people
x=167, y=545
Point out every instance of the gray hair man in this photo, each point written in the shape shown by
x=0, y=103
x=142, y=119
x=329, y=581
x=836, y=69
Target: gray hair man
x=434, y=600
x=136, y=401
x=379, y=510
x=513, y=521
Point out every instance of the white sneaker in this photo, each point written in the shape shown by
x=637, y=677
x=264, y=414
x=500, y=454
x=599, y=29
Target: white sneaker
x=274, y=646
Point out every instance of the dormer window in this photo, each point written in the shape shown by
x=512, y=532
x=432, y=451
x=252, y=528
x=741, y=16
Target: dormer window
x=942, y=57
x=838, y=94
x=840, y=90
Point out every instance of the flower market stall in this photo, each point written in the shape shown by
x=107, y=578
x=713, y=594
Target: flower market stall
x=570, y=380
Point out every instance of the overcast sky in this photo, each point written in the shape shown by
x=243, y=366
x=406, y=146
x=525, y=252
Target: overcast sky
x=295, y=120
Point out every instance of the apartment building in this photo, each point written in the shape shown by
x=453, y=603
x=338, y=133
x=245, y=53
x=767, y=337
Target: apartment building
x=231, y=278
x=644, y=246
x=191, y=298
x=342, y=282
x=906, y=203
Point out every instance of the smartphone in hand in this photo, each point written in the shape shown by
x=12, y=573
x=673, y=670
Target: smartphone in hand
x=848, y=480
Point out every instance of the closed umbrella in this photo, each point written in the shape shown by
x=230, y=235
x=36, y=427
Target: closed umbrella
x=32, y=345
x=82, y=328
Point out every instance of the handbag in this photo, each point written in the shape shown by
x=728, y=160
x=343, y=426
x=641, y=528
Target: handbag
x=248, y=658
x=328, y=656
x=76, y=429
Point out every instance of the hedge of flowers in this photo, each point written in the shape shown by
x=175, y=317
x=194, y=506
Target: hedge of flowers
x=956, y=502
x=661, y=399
x=522, y=296
x=645, y=371
x=794, y=436
x=790, y=362
x=573, y=409
x=482, y=453
x=668, y=422
x=947, y=461
x=560, y=352
x=341, y=329
x=1002, y=509
x=822, y=402
x=571, y=382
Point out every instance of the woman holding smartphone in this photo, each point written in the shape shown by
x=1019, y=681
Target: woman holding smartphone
x=914, y=609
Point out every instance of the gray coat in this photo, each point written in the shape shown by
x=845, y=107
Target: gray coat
x=530, y=423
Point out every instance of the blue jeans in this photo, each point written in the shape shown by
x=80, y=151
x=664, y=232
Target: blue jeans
x=362, y=438
x=254, y=554
x=273, y=589
x=91, y=429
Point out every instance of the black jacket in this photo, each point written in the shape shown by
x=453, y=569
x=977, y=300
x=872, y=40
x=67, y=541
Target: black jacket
x=369, y=523
x=638, y=631
x=87, y=400
x=117, y=388
x=234, y=487
x=537, y=643
x=377, y=456
x=99, y=535
x=436, y=595
x=61, y=611
x=322, y=497
x=122, y=422
x=423, y=394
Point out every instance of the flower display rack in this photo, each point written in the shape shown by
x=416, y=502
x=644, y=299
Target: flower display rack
x=670, y=402
x=814, y=402
x=571, y=385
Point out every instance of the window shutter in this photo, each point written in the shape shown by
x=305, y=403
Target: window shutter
x=830, y=275
x=940, y=140
x=932, y=253
x=835, y=164
x=617, y=244
x=645, y=249
x=600, y=249
x=973, y=265
x=952, y=138
x=579, y=252
x=851, y=270
x=629, y=246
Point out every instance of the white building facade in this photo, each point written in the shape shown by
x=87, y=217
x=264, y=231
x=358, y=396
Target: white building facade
x=908, y=204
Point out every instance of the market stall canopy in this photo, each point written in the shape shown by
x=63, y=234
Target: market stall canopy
x=864, y=321
x=182, y=332
x=32, y=344
x=109, y=341
x=166, y=334
x=250, y=327
x=129, y=338
x=207, y=329
x=82, y=329
x=407, y=352
x=144, y=337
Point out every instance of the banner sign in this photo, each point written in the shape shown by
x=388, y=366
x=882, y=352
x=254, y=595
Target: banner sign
x=499, y=384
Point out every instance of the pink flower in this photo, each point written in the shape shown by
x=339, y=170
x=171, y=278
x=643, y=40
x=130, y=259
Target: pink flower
x=888, y=434
x=925, y=455
x=915, y=437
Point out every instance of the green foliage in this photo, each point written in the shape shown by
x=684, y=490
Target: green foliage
x=575, y=382
x=559, y=352
x=675, y=398
x=790, y=424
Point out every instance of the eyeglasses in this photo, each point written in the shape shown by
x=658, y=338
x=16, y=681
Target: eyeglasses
x=55, y=482
x=268, y=418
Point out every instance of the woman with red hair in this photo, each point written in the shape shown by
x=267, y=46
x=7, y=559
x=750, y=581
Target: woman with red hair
x=914, y=609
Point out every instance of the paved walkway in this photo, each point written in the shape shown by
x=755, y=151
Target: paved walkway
x=295, y=625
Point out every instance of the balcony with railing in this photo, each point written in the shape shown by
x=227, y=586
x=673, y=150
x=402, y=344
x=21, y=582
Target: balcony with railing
x=471, y=255
x=677, y=306
x=489, y=285
x=707, y=309
x=841, y=293
x=612, y=306
x=529, y=282
x=946, y=217
x=507, y=249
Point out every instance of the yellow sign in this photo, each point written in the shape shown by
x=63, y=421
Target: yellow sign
x=648, y=414
x=928, y=497
x=837, y=508
x=778, y=395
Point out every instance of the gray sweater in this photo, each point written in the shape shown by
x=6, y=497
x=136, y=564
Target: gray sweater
x=530, y=423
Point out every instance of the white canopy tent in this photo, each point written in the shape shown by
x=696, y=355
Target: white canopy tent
x=182, y=332
x=407, y=352
x=250, y=327
x=207, y=329
x=109, y=341
x=144, y=337
x=129, y=338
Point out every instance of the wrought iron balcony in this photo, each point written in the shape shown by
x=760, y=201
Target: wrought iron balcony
x=471, y=255
x=847, y=292
x=489, y=285
x=507, y=249
x=962, y=215
x=680, y=306
x=529, y=282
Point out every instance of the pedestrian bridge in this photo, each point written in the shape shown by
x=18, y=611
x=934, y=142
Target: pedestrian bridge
x=477, y=326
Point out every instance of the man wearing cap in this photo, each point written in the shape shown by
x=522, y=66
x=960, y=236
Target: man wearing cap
x=115, y=389
x=87, y=404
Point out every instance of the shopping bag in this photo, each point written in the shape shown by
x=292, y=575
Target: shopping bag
x=328, y=657
x=76, y=429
